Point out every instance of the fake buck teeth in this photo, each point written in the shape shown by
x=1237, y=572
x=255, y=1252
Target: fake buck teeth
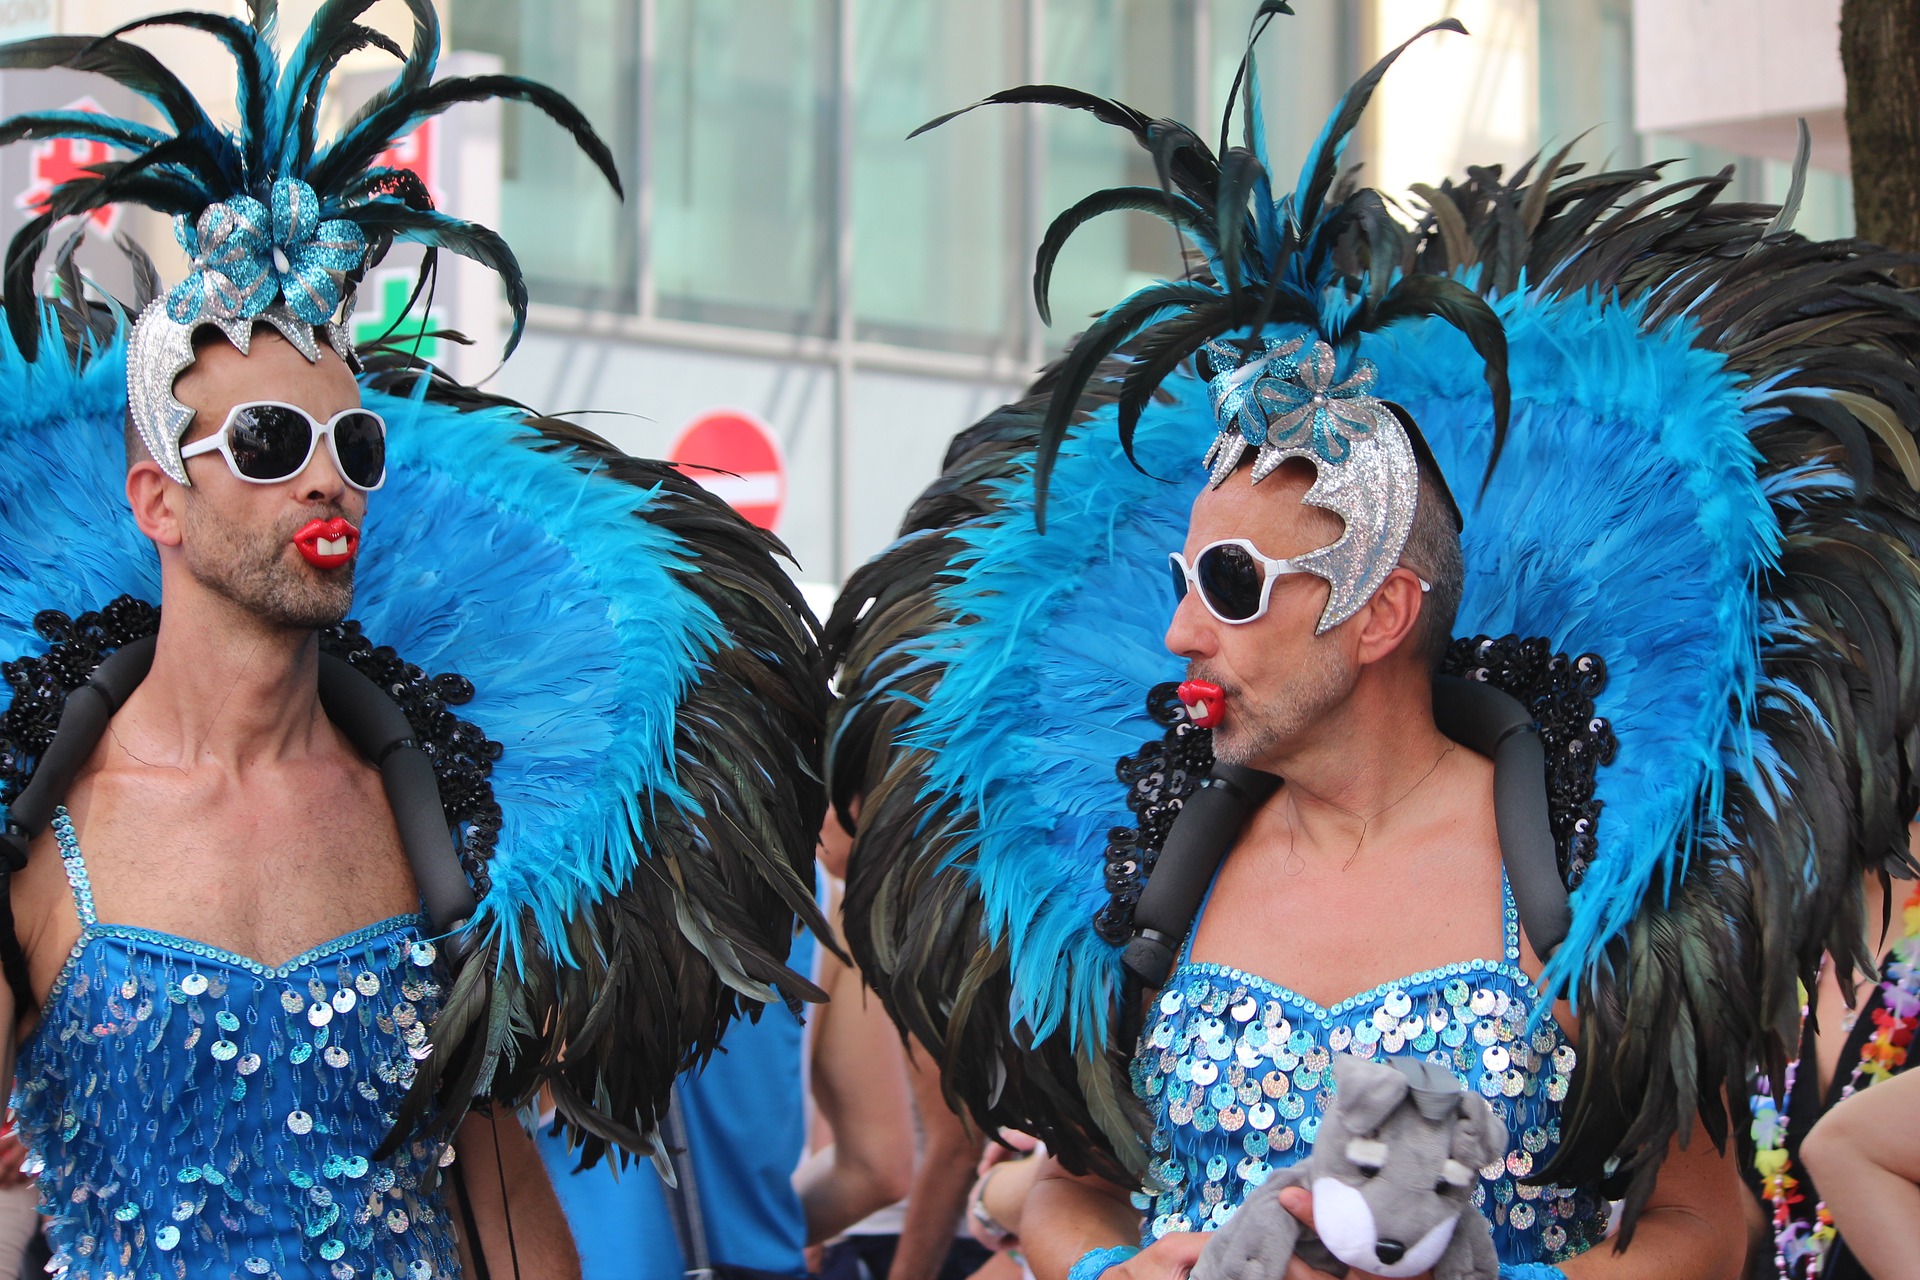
x=1205, y=702
x=331, y=546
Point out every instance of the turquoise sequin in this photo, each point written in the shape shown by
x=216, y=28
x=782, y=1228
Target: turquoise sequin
x=1236, y=1071
x=184, y=1125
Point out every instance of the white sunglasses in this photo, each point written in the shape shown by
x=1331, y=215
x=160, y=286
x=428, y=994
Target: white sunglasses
x=1234, y=579
x=267, y=442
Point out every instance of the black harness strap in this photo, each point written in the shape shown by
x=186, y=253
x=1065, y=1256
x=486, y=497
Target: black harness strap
x=1208, y=824
x=682, y=1193
x=370, y=720
x=1495, y=724
x=1472, y=713
x=379, y=731
x=82, y=721
x=470, y=1224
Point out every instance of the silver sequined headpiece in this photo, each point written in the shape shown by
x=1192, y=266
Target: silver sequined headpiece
x=159, y=351
x=275, y=262
x=1286, y=398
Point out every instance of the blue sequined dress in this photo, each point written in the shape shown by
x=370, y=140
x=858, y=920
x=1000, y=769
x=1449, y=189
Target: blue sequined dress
x=1235, y=1071
x=198, y=1114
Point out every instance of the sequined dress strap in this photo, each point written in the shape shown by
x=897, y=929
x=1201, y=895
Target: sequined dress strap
x=76, y=867
x=1510, y=917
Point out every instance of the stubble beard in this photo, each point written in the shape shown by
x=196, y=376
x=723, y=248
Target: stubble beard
x=247, y=565
x=1261, y=723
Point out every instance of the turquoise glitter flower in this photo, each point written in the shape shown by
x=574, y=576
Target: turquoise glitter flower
x=1311, y=410
x=247, y=255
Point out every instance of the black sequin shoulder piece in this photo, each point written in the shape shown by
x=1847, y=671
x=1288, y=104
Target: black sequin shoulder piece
x=1558, y=691
x=1158, y=778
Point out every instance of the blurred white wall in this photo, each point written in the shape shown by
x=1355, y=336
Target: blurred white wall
x=1452, y=100
x=1737, y=73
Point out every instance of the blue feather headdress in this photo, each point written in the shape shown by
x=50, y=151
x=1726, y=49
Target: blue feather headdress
x=1707, y=479
x=280, y=226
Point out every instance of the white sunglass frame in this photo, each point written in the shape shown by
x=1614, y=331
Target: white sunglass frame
x=220, y=442
x=1272, y=569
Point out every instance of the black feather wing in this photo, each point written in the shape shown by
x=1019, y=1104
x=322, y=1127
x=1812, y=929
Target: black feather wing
x=700, y=935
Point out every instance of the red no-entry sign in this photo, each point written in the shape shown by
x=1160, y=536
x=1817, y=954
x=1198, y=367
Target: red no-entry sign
x=735, y=442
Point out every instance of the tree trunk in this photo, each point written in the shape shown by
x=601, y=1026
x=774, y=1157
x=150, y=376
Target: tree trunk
x=1880, y=51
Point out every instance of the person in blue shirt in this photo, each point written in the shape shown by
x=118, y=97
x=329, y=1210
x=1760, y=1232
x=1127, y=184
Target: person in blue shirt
x=741, y=1120
x=746, y=1206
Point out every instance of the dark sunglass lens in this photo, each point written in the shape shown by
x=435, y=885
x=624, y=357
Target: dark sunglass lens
x=1231, y=580
x=362, y=447
x=1179, y=579
x=268, y=442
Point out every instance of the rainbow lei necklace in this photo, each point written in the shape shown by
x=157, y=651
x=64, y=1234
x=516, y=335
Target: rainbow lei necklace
x=1800, y=1240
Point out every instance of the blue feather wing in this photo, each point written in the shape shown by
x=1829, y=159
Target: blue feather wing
x=1632, y=523
x=1046, y=687
x=1010, y=714
x=524, y=574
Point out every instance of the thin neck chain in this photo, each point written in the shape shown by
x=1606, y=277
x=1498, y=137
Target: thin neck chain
x=1293, y=863
x=199, y=746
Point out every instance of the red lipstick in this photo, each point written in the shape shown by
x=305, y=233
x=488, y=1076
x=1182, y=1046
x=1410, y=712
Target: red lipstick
x=1206, y=703
x=327, y=544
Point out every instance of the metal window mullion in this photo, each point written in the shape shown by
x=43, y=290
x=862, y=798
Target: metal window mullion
x=1033, y=204
x=843, y=282
x=1201, y=107
x=645, y=285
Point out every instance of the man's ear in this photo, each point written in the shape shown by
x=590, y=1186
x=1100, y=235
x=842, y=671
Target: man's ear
x=1388, y=620
x=156, y=502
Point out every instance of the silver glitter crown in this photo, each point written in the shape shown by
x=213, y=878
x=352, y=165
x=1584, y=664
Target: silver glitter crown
x=160, y=349
x=1285, y=398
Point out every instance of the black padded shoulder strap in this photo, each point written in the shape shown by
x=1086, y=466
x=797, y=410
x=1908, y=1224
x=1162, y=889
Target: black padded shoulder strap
x=371, y=721
x=82, y=721
x=1209, y=823
x=379, y=731
x=1477, y=715
x=1470, y=712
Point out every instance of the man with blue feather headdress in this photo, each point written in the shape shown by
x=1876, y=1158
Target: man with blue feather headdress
x=1558, y=787
x=296, y=924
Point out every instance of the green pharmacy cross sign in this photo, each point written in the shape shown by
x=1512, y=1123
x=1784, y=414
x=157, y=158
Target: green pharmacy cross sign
x=388, y=292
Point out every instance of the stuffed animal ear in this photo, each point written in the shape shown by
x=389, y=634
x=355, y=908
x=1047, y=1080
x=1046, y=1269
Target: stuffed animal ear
x=1365, y=1092
x=1479, y=1138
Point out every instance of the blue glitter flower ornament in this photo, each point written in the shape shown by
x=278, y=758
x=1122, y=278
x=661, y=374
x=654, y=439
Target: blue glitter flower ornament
x=1310, y=408
x=248, y=255
x=1284, y=396
x=1288, y=394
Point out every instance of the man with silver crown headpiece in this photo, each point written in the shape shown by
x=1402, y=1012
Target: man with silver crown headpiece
x=1559, y=787
x=1317, y=587
x=292, y=940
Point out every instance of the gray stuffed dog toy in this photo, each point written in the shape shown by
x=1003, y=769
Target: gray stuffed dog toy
x=1392, y=1174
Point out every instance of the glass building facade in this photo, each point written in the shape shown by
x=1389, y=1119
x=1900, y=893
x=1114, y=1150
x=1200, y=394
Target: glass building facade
x=785, y=248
